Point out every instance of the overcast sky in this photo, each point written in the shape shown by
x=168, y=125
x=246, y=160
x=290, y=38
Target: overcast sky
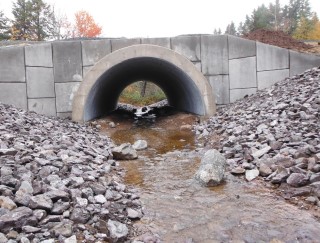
x=159, y=18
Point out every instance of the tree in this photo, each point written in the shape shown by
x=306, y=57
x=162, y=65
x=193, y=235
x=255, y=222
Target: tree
x=303, y=29
x=86, y=26
x=315, y=32
x=294, y=12
x=62, y=27
x=4, y=28
x=22, y=20
x=217, y=31
x=261, y=18
x=42, y=20
x=231, y=29
x=33, y=20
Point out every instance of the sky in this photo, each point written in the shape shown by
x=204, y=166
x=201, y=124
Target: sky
x=159, y=18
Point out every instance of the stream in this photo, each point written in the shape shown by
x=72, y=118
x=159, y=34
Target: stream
x=178, y=209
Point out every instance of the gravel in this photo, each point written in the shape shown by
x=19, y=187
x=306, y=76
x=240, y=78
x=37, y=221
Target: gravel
x=58, y=181
x=275, y=131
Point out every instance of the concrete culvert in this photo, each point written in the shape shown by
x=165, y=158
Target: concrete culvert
x=184, y=85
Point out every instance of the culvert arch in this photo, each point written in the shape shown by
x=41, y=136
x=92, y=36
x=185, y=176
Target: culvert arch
x=184, y=85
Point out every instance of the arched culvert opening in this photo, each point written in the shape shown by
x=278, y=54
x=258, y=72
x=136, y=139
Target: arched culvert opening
x=185, y=87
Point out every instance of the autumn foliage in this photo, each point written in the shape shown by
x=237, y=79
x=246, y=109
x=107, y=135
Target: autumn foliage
x=85, y=25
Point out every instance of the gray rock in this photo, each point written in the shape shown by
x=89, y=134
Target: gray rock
x=10, y=151
x=252, y=174
x=212, y=168
x=59, y=207
x=297, y=180
x=264, y=170
x=41, y=201
x=80, y=215
x=15, y=218
x=124, y=152
x=3, y=238
x=261, y=152
x=134, y=214
x=238, y=171
x=117, y=230
x=7, y=203
x=281, y=174
x=100, y=199
x=140, y=145
x=64, y=229
x=30, y=229
x=26, y=187
x=40, y=214
x=72, y=239
x=58, y=194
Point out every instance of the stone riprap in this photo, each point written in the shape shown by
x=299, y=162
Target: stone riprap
x=58, y=182
x=45, y=77
x=274, y=134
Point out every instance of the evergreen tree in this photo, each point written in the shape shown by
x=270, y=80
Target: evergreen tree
x=296, y=10
x=33, y=20
x=4, y=28
x=42, y=20
x=21, y=28
x=231, y=29
x=261, y=18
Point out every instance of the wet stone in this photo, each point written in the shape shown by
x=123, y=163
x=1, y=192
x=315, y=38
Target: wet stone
x=124, y=152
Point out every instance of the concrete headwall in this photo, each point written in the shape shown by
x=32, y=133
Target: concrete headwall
x=44, y=77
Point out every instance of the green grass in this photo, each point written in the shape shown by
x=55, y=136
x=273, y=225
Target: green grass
x=132, y=94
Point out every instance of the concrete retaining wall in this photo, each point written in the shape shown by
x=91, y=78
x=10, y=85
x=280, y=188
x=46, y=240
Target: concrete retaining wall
x=44, y=77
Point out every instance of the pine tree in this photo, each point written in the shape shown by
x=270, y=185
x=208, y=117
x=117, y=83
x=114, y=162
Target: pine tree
x=296, y=10
x=231, y=29
x=21, y=28
x=42, y=20
x=4, y=28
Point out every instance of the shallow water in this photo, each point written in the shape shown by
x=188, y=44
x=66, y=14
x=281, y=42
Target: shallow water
x=179, y=209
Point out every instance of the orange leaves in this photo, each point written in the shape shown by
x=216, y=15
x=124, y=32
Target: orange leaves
x=85, y=25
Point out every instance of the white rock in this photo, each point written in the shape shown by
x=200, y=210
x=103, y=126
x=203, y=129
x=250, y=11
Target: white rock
x=252, y=174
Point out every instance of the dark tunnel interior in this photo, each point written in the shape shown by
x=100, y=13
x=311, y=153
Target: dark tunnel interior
x=181, y=91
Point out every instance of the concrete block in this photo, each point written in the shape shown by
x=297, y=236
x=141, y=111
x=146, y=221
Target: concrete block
x=39, y=55
x=14, y=94
x=67, y=61
x=268, y=78
x=214, y=54
x=40, y=82
x=12, y=68
x=239, y=47
x=44, y=106
x=64, y=114
x=271, y=57
x=117, y=44
x=64, y=95
x=237, y=94
x=164, y=42
x=220, y=87
x=300, y=62
x=94, y=50
x=188, y=46
x=243, y=73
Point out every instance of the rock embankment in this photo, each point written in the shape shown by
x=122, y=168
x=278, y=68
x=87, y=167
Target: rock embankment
x=58, y=182
x=274, y=134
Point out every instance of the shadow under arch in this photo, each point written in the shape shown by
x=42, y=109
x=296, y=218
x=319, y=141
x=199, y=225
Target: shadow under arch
x=184, y=85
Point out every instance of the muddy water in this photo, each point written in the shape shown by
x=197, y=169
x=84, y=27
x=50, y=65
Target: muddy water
x=178, y=209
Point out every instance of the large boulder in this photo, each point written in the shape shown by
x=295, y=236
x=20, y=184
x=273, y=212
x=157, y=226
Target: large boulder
x=212, y=168
x=124, y=152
